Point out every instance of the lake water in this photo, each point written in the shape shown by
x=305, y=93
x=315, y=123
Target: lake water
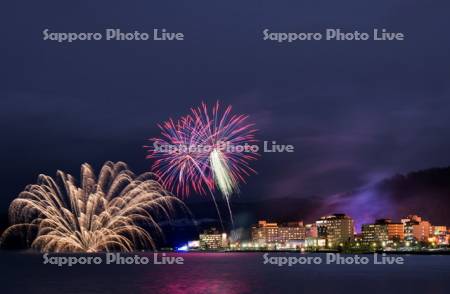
x=24, y=272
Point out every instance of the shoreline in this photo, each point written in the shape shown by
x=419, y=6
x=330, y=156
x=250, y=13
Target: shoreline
x=443, y=252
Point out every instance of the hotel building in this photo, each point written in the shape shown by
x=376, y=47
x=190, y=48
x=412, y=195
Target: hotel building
x=213, y=240
x=270, y=233
x=396, y=231
x=416, y=228
x=335, y=229
x=390, y=231
x=368, y=233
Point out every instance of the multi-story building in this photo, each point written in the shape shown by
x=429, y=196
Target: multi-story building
x=212, y=240
x=368, y=234
x=267, y=233
x=311, y=231
x=408, y=223
x=421, y=231
x=382, y=231
x=396, y=231
x=336, y=229
x=438, y=235
x=291, y=231
x=416, y=228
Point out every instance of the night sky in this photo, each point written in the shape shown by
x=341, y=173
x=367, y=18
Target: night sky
x=356, y=112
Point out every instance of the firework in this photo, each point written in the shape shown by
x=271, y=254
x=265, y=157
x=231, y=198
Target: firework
x=101, y=214
x=229, y=138
x=209, y=149
x=181, y=169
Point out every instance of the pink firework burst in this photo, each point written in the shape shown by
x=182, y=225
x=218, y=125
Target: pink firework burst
x=204, y=150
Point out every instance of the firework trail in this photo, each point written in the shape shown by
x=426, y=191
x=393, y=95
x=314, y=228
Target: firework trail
x=212, y=150
x=101, y=214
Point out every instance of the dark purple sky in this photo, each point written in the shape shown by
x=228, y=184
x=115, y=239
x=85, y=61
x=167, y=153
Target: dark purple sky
x=355, y=111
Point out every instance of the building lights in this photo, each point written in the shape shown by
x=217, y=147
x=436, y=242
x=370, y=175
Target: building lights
x=332, y=232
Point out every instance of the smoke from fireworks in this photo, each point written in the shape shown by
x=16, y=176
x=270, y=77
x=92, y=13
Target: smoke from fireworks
x=98, y=215
x=204, y=150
